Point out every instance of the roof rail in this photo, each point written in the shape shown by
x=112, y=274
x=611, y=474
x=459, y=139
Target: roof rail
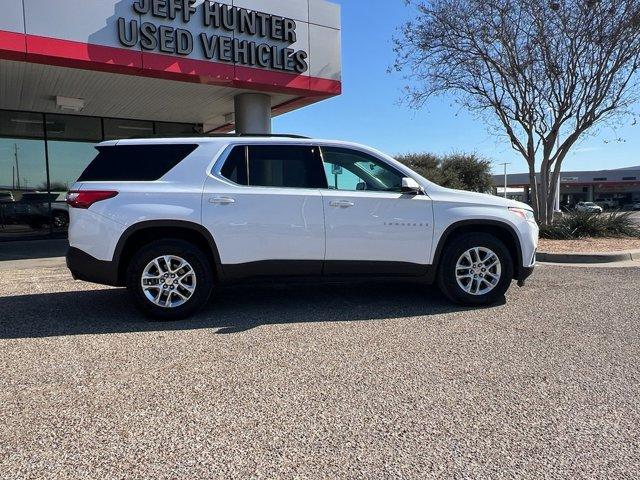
x=274, y=135
x=270, y=135
x=218, y=135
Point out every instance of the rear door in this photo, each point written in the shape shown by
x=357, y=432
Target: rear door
x=371, y=226
x=264, y=209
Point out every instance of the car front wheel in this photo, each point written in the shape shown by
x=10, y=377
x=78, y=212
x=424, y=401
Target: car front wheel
x=476, y=269
x=170, y=279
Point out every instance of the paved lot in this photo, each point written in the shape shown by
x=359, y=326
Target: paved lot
x=366, y=381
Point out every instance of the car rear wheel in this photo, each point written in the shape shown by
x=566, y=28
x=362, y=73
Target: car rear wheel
x=60, y=220
x=476, y=269
x=170, y=279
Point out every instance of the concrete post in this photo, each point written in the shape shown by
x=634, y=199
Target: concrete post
x=253, y=113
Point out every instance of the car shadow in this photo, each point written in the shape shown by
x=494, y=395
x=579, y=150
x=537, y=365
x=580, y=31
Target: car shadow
x=233, y=309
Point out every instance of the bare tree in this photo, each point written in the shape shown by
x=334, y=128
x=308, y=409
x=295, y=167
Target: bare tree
x=545, y=72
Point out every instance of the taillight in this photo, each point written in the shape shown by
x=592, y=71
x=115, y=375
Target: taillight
x=86, y=198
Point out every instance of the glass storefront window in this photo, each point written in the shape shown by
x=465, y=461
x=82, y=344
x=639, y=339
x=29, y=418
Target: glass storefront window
x=175, y=129
x=32, y=205
x=21, y=124
x=71, y=141
x=24, y=197
x=74, y=128
x=115, y=129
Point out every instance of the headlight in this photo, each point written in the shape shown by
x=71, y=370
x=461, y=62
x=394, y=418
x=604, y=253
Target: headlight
x=524, y=214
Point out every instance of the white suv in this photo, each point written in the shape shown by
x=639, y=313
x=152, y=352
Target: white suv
x=171, y=218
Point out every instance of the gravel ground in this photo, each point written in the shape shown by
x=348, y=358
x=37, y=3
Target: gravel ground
x=589, y=245
x=333, y=381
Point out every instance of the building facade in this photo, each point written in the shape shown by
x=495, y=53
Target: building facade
x=75, y=73
x=615, y=189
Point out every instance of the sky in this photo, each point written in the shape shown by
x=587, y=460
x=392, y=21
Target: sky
x=370, y=111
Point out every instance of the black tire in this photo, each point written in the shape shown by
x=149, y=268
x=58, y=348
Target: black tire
x=60, y=220
x=448, y=283
x=179, y=248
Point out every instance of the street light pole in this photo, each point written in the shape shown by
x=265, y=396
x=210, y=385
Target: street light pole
x=505, y=177
x=15, y=153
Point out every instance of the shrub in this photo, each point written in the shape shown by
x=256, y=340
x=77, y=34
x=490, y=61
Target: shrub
x=464, y=171
x=584, y=224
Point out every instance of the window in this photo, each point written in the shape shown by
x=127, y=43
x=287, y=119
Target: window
x=25, y=208
x=288, y=166
x=21, y=124
x=347, y=169
x=35, y=173
x=599, y=179
x=115, y=129
x=135, y=162
x=175, y=129
x=235, y=168
x=629, y=178
x=284, y=166
x=71, y=141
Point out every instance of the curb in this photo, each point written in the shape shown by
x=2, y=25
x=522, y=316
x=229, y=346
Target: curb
x=569, y=257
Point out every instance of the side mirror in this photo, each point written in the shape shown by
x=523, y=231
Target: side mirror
x=409, y=185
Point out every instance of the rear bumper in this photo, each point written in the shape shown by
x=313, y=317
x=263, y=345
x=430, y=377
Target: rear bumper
x=89, y=269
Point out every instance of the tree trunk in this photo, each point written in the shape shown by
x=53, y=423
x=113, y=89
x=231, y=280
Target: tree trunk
x=544, y=195
x=555, y=185
x=533, y=188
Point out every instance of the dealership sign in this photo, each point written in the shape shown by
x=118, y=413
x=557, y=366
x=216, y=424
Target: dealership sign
x=226, y=34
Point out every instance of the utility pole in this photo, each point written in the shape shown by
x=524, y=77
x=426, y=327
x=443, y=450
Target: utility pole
x=15, y=154
x=505, y=177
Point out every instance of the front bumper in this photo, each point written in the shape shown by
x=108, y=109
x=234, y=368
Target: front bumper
x=89, y=269
x=525, y=272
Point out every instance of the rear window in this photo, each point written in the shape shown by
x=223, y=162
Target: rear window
x=136, y=163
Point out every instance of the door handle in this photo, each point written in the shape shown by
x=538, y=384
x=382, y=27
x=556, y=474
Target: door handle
x=341, y=203
x=222, y=200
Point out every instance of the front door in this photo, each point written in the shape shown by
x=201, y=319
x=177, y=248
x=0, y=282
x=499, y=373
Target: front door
x=265, y=213
x=371, y=226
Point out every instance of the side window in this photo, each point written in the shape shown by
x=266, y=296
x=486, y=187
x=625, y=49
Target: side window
x=288, y=166
x=347, y=169
x=235, y=168
x=135, y=163
x=284, y=166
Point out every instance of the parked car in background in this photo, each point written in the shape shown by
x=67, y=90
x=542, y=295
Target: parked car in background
x=171, y=218
x=38, y=205
x=588, y=207
x=636, y=206
x=607, y=204
x=6, y=196
x=38, y=210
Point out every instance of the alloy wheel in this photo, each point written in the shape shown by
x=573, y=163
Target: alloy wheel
x=478, y=271
x=168, y=281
